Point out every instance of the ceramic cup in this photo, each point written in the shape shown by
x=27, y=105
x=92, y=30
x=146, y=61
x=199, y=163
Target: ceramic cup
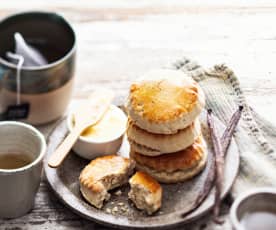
x=18, y=187
x=46, y=89
x=261, y=199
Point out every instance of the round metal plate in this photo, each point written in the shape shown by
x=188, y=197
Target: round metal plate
x=176, y=197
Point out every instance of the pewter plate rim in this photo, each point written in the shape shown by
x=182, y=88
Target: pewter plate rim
x=83, y=209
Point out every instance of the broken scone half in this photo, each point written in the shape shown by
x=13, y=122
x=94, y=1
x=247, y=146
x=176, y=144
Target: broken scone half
x=145, y=192
x=103, y=174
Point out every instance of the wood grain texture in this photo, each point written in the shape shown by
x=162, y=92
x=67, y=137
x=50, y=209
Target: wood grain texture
x=119, y=40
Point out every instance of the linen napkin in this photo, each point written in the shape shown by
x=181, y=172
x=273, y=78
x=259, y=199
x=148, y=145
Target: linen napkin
x=255, y=137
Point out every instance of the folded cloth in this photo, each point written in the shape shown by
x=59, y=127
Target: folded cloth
x=255, y=137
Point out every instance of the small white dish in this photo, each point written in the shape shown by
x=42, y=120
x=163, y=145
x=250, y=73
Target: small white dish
x=89, y=147
x=257, y=200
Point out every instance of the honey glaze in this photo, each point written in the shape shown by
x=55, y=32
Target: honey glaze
x=112, y=125
x=162, y=100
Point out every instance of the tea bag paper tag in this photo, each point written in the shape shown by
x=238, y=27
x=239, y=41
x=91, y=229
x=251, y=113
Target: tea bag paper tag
x=19, y=65
x=17, y=112
x=20, y=110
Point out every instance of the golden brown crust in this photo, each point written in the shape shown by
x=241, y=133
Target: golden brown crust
x=182, y=160
x=152, y=144
x=164, y=101
x=175, y=176
x=160, y=101
x=132, y=125
x=101, y=167
x=146, y=180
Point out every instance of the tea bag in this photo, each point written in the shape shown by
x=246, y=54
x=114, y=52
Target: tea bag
x=28, y=56
x=32, y=57
x=24, y=55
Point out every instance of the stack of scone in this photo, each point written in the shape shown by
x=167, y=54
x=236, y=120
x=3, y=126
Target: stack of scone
x=163, y=127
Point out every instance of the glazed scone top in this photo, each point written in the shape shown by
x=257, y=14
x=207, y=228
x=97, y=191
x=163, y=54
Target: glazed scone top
x=163, y=95
x=164, y=101
x=101, y=167
x=146, y=180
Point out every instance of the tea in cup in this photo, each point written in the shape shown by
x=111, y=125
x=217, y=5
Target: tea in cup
x=22, y=148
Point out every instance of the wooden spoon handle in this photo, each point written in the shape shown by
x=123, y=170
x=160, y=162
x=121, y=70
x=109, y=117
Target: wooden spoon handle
x=62, y=151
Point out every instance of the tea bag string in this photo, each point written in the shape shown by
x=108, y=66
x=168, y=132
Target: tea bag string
x=20, y=61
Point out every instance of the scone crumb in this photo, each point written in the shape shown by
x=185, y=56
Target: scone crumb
x=124, y=209
x=108, y=210
x=115, y=210
x=118, y=193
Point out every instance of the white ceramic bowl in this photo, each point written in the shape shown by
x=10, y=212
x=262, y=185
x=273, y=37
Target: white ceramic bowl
x=88, y=148
x=260, y=199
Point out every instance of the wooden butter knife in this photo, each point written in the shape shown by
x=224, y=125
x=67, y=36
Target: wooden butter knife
x=86, y=115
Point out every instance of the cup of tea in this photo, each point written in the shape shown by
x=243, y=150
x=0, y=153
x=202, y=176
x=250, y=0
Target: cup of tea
x=255, y=209
x=45, y=89
x=22, y=148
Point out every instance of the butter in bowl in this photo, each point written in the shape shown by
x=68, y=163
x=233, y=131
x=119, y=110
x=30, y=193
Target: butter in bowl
x=104, y=138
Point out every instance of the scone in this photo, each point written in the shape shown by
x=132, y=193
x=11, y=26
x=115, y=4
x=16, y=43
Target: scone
x=152, y=144
x=164, y=101
x=103, y=174
x=146, y=192
x=174, y=167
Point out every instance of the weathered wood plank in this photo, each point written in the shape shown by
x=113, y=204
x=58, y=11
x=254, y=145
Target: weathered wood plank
x=144, y=6
x=119, y=40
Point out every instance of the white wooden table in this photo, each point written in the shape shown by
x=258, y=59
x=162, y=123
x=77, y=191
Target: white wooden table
x=119, y=40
